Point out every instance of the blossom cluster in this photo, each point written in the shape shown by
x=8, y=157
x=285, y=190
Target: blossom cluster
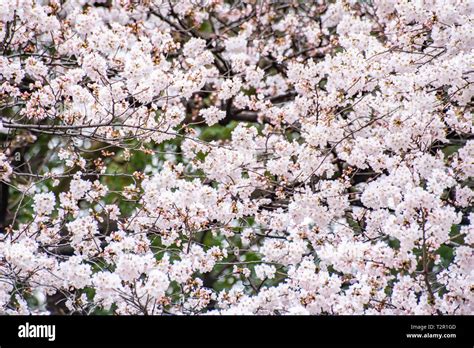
x=237, y=157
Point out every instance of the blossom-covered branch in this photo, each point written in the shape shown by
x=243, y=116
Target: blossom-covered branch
x=236, y=157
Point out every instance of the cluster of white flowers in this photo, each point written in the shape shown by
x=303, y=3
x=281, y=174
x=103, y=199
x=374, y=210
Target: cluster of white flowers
x=336, y=177
x=44, y=203
x=212, y=115
x=5, y=167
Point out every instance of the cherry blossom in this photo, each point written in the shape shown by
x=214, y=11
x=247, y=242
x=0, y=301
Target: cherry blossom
x=236, y=157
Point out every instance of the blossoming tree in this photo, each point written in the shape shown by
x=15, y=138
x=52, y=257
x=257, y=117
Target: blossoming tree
x=236, y=157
